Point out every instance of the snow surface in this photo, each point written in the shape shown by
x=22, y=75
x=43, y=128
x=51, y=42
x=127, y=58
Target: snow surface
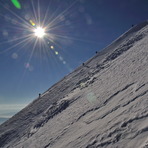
x=103, y=103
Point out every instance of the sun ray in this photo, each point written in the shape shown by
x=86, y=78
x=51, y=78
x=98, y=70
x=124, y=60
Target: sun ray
x=15, y=14
x=15, y=45
x=52, y=17
x=62, y=13
x=38, y=9
x=33, y=8
x=18, y=23
x=72, y=38
x=24, y=44
x=16, y=39
x=31, y=54
x=25, y=70
x=46, y=13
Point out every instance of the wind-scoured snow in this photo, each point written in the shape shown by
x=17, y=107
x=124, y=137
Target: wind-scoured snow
x=102, y=104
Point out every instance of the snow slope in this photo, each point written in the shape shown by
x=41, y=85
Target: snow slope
x=103, y=103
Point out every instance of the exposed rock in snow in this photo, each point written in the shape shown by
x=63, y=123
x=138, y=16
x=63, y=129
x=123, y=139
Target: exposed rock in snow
x=103, y=103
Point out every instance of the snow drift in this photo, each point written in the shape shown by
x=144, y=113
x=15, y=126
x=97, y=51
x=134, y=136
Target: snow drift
x=103, y=103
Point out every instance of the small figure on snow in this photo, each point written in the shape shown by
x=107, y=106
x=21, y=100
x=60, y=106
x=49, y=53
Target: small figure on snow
x=39, y=95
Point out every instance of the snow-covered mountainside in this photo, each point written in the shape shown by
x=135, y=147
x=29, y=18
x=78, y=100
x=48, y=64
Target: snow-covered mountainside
x=103, y=103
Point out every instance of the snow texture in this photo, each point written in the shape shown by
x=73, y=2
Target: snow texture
x=102, y=104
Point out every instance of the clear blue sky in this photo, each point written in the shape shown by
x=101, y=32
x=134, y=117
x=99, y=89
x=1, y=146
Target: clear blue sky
x=77, y=29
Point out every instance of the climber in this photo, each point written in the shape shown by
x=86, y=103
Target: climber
x=39, y=95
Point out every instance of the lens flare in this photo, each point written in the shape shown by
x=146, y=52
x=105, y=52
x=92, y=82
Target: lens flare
x=56, y=52
x=52, y=47
x=32, y=23
x=16, y=4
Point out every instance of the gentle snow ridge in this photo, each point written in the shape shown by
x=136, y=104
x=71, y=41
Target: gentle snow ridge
x=103, y=103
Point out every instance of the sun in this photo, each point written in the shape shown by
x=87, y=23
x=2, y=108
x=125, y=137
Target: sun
x=39, y=32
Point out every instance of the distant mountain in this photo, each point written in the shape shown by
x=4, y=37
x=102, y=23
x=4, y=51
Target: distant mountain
x=101, y=104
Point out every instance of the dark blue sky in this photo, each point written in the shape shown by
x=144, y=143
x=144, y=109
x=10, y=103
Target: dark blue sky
x=77, y=28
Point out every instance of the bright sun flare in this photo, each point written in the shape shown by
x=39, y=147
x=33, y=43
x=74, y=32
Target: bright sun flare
x=39, y=32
